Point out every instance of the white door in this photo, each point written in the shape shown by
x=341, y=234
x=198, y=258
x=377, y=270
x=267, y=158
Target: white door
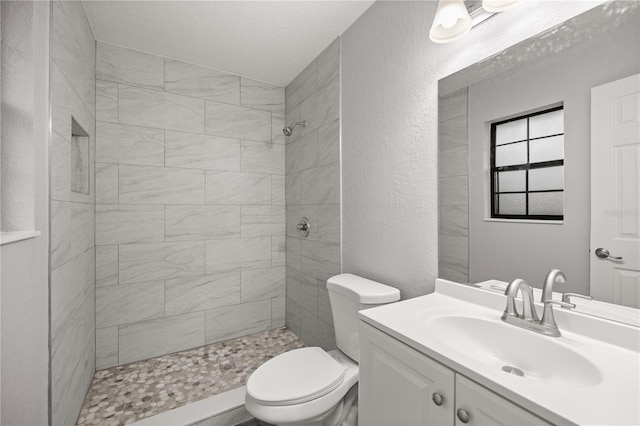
x=615, y=192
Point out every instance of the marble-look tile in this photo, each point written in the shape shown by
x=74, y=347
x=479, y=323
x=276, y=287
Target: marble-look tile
x=106, y=265
x=260, y=284
x=127, y=66
x=293, y=315
x=291, y=118
x=161, y=110
x=259, y=221
x=262, y=157
x=233, y=321
x=106, y=101
x=454, y=220
x=320, y=260
x=277, y=125
x=321, y=185
x=193, y=222
x=295, y=215
x=302, y=154
x=77, y=18
x=192, y=151
x=453, y=252
x=302, y=87
x=293, y=189
x=453, y=105
x=293, y=250
x=329, y=143
x=448, y=273
x=316, y=332
x=125, y=224
x=303, y=290
x=60, y=168
x=453, y=191
x=278, y=251
x=80, y=167
x=453, y=133
x=122, y=144
x=329, y=63
x=453, y=162
x=60, y=233
x=324, y=305
x=238, y=188
x=278, y=312
x=329, y=223
x=82, y=228
x=323, y=107
x=106, y=347
x=106, y=183
x=159, y=261
x=260, y=95
x=234, y=121
x=278, y=190
x=184, y=295
x=125, y=304
x=158, y=185
x=200, y=82
x=238, y=254
x=161, y=336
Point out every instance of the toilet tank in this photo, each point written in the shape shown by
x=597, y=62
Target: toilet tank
x=349, y=294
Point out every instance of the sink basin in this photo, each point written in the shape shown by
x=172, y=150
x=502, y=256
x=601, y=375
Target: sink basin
x=514, y=350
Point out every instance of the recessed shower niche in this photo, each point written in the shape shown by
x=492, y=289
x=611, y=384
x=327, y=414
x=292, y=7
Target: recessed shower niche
x=79, y=158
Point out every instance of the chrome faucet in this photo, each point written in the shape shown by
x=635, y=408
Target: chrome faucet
x=529, y=318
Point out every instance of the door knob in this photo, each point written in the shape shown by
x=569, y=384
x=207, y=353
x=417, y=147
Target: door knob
x=603, y=253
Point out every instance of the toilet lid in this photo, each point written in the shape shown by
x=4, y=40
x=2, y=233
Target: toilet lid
x=295, y=377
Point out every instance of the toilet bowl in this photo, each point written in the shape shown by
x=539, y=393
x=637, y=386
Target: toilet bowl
x=309, y=385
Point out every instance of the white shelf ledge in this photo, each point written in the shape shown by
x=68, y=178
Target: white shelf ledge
x=12, y=237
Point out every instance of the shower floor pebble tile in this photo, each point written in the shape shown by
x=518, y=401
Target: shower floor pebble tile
x=125, y=394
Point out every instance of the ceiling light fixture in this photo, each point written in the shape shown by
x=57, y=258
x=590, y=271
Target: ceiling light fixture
x=451, y=22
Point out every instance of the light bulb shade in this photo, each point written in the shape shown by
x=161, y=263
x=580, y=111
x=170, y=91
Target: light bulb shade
x=496, y=6
x=451, y=22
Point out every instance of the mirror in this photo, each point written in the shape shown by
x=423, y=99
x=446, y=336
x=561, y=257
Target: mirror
x=556, y=68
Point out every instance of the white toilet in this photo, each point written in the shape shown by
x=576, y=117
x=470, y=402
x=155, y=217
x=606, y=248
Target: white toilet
x=313, y=387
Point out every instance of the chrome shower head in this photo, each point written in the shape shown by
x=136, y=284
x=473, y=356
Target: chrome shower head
x=289, y=130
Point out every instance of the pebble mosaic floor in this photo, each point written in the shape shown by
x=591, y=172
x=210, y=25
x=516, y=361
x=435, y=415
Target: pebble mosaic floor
x=125, y=394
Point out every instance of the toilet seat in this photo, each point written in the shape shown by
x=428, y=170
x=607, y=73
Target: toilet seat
x=295, y=377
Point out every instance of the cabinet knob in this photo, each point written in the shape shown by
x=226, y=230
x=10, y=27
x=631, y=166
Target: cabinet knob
x=438, y=399
x=463, y=415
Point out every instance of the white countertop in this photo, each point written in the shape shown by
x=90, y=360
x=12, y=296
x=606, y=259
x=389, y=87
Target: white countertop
x=614, y=348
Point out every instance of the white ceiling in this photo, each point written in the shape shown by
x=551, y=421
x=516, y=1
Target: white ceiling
x=270, y=41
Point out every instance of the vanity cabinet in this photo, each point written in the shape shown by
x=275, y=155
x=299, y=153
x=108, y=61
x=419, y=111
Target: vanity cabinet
x=401, y=386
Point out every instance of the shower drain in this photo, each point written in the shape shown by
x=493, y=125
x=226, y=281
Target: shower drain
x=513, y=370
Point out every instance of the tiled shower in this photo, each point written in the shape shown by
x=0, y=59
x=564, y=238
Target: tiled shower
x=173, y=221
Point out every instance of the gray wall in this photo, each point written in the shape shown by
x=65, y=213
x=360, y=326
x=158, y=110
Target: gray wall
x=502, y=250
x=24, y=291
x=72, y=213
x=313, y=191
x=190, y=215
x=390, y=71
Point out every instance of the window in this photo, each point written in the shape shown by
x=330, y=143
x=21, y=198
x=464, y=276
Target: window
x=527, y=166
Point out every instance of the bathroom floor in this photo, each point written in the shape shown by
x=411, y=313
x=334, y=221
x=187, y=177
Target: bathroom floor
x=128, y=393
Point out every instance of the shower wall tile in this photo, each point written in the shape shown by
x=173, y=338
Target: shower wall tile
x=60, y=168
x=329, y=223
x=278, y=190
x=238, y=188
x=295, y=215
x=324, y=304
x=161, y=110
x=158, y=185
x=278, y=311
x=106, y=183
x=453, y=106
x=238, y=254
x=106, y=265
x=122, y=144
x=239, y=320
x=303, y=290
x=147, y=339
x=329, y=63
x=320, y=260
x=193, y=151
x=323, y=107
x=454, y=220
x=293, y=315
x=317, y=332
x=262, y=157
x=200, y=82
x=277, y=124
x=322, y=185
x=106, y=101
x=60, y=233
x=260, y=284
x=259, y=221
x=193, y=222
x=302, y=87
x=453, y=161
x=293, y=189
x=260, y=95
x=293, y=257
x=329, y=143
x=278, y=251
x=302, y=154
x=184, y=295
x=123, y=304
x=160, y=261
x=127, y=66
x=82, y=220
x=122, y=224
x=237, y=122
x=453, y=191
x=106, y=347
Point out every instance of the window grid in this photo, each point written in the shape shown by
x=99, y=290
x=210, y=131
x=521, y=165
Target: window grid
x=495, y=179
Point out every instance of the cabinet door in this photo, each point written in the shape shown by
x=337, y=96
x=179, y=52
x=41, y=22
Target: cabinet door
x=487, y=408
x=397, y=384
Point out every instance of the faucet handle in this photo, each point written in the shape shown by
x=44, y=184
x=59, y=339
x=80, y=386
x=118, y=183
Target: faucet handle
x=566, y=297
x=565, y=305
